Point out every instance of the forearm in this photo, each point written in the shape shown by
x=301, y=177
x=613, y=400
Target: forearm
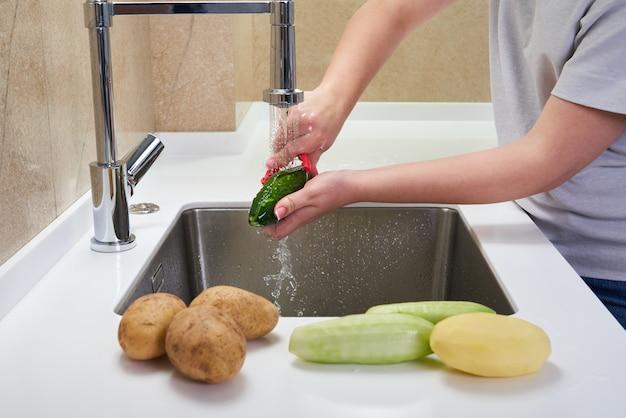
x=370, y=37
x=500, y=174
x=565, y=139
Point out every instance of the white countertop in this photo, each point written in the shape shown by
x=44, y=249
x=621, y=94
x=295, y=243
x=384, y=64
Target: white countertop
x=59, y=355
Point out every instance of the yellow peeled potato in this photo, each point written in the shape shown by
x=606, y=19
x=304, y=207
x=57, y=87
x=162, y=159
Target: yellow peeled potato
x=255, y=315
x=490, y=345
x=142, y=330
x=205, y=344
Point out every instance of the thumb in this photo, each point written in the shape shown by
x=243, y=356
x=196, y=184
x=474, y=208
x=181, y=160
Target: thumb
x=289, y=204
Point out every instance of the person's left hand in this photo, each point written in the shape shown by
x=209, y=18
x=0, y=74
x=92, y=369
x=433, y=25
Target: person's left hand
x=322, y=194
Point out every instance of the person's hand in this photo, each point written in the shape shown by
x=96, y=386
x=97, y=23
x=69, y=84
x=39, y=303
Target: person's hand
x=320, y=118
x=324, y=193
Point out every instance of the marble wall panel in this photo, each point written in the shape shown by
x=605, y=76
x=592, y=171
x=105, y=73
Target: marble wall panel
x=193, y=72
x=46, y=109
x=446, y=59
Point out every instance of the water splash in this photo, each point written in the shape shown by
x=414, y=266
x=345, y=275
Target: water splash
x=285, y=275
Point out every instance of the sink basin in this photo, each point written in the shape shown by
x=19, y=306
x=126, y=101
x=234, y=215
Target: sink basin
x=343, y=263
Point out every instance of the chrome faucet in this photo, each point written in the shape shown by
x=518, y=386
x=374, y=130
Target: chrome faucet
x=113, y=180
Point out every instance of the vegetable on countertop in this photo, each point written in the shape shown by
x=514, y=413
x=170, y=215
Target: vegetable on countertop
x=205, y=344
x=490, y=345
x=143, y=327
x=364, y=339
x=433, y=311
x=275, y=188
x=253, y=314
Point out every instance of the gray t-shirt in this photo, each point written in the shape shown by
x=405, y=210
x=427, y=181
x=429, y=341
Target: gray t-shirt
x=575, y=50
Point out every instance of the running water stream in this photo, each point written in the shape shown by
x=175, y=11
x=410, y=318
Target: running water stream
x=284, y=278
x=283, y=129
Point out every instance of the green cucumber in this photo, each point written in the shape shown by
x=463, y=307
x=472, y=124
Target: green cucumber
x=363, y=339
x=433, y=311
x=278, y=186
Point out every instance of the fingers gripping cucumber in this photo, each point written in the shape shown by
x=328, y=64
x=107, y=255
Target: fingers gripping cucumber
x=275, y=188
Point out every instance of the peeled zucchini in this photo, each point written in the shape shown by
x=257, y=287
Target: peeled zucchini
x=363, y=339
x=490, y=345
x=433, y=311
x=278, y=186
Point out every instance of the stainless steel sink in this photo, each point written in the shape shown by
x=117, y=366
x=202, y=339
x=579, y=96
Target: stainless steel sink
x=343, y=263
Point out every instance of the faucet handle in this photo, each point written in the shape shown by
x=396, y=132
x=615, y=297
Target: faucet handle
x=139, y=160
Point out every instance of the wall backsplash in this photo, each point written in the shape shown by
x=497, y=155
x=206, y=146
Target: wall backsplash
x=46, y=109
x=193, y=72
x=444, y=60
x=180, y=73
x=202, y=69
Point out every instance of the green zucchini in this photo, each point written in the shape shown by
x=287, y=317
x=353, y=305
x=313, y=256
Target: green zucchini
x=363, y=339
x=278, y=186
x=433, y=311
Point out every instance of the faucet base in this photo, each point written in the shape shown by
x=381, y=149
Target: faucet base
x=113, y=247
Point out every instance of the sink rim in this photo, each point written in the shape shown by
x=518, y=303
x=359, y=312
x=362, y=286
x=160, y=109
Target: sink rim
x=245, y=205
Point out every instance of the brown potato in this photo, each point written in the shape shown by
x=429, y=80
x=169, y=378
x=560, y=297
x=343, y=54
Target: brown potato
x=142, y=330
x=255, y=315
x=205, y=344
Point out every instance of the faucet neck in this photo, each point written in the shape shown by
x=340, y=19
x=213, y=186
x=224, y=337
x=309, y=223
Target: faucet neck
x=283, y=91
x=98, y=20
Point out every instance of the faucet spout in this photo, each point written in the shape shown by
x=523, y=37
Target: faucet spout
x=139, y=160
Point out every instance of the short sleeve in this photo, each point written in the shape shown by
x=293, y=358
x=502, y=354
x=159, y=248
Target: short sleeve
x=595, y=75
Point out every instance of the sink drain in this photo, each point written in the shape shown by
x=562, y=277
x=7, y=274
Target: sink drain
x=143, y=208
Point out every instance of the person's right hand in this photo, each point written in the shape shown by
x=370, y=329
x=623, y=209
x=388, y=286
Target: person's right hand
x=320, y=118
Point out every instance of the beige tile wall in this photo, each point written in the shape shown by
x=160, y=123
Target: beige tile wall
x=244, y=63
x=193, y=72
x=46, y=119
x=204, y=66
x=201, y=71
x=444, y=60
